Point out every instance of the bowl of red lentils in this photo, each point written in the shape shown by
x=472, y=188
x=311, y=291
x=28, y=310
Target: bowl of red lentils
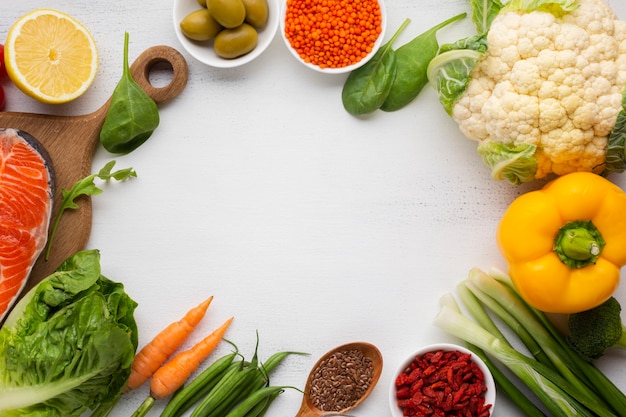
x=333, y=36
x=442, y=379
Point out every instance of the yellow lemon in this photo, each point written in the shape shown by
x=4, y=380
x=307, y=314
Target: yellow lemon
x=50, y=56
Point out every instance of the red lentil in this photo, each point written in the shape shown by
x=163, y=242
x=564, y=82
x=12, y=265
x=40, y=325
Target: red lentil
x=333, y=33
x=442, y=383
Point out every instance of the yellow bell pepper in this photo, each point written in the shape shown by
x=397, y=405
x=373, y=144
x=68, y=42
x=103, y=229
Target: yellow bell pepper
x=565, y=244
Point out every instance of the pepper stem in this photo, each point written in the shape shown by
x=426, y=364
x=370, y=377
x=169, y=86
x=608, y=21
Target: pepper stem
x=578, y=244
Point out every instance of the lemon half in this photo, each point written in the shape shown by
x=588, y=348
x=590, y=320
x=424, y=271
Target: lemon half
x=50, y=56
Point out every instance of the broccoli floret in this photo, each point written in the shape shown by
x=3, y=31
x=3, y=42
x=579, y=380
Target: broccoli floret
x=593, y=331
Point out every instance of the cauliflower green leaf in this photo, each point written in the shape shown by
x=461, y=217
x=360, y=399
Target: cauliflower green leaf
x=616, y=152
x=483, y=13
x=449, y=73
x=556, y=7
x=515, y=163
x=616, y=149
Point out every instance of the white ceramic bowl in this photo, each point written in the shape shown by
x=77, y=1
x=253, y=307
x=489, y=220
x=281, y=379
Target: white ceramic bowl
x=349, y=68
x=490, y=394
x=203, y=51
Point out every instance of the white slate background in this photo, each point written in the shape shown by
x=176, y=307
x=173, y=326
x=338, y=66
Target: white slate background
x=307, y=224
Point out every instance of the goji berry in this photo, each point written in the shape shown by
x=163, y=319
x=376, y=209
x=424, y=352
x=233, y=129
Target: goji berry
x=442, y=383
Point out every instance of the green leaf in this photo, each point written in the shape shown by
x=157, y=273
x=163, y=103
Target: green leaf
x=449, y=73
x=483, y=13
x=476, y=43
x=87, y=187
x=132, y=116
x=556, y=7
x=367, y=87
x=412, y=61
x=516, y=164
x=68, y=345
x=615, y=152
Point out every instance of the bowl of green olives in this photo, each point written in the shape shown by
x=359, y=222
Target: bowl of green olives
x=333, y=37
x=225, y=33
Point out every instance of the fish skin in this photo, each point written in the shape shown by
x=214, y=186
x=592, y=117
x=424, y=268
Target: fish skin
x=27, y=183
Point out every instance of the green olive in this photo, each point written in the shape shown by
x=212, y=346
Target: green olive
x=256, y=12
x=229, y=13
x=200, y=26
x=232, y=43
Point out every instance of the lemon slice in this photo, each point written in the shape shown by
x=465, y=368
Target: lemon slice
x=50, y=56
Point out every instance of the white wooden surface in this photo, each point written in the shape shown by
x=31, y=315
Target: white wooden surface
x=310, y=226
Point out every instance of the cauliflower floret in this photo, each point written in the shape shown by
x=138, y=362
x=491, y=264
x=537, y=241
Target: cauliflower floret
x=555, y=82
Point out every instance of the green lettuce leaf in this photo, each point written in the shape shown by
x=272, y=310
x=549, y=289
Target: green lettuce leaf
x=68, y=345
x=516, y=164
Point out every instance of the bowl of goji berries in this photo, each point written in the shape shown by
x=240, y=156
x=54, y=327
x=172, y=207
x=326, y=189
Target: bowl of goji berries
x=442, y=379
x=333, y=36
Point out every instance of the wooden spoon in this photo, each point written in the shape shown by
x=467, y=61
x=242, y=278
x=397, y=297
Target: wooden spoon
x=72, y=141
x=307, y=408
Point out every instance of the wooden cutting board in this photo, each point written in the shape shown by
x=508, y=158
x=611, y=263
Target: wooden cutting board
x=72, y=141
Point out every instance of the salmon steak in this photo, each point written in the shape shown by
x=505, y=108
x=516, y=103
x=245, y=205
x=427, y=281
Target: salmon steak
x=26, y=198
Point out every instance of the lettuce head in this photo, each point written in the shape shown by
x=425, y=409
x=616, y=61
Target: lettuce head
x=68, y=345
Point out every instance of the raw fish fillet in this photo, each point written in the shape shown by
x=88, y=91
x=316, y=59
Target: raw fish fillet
x=26, y=194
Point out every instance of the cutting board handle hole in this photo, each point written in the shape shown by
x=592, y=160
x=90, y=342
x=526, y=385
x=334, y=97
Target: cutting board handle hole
x=161, y=71
x=161, y=74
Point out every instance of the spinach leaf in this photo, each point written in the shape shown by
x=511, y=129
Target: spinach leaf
x=366, y=88
x=412, y=61
x=86, y=186
x=132, y=114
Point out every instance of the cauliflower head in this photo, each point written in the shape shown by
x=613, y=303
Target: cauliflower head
x=540, y=87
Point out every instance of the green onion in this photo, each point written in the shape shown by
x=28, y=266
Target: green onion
x=547, y=371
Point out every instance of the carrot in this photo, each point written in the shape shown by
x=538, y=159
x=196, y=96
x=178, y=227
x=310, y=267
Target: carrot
x=155, y=353
x=171, y=376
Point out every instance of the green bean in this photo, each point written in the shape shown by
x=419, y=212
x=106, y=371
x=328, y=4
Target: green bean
x=275, y=360
x=238, y=394
x=263, y=371
x=236, y=387
x=226, y=393
x=261, y=408
x=186, y=397
x=258, y=396
x=258, y=408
